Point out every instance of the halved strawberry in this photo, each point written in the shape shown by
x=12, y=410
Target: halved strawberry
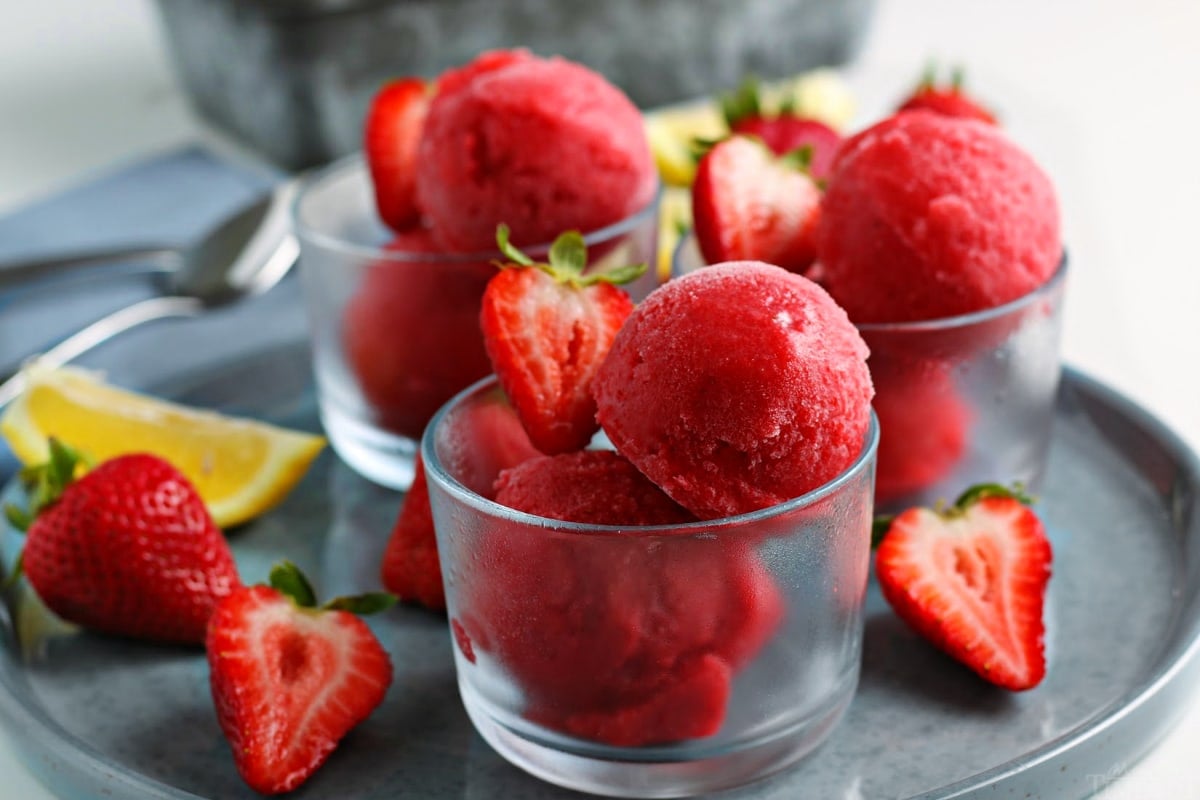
x=547, y=327
x=393, y=131
x=948, y=100
x=971, y=579
x=750, y=205
x=289, y=679
x=783, y=131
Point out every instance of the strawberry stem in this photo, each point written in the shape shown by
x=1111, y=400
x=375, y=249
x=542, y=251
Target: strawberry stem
x=44, y=483
x=883, y=522
x=801, y=158
x=569, y=254
x=742, y=103
x=510, y=251
x=928, y=75
x=288, y=579
x=567, y=261
x=957, y=78
x=981, y=491
x=362, y=604
x=789, y=106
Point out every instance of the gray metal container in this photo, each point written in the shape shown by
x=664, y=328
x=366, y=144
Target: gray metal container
x=293, y=78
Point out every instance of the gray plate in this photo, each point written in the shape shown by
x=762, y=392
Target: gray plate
x=97, y=717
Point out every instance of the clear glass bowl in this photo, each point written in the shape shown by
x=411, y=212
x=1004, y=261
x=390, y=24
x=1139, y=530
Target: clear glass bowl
x=646, y=662
x=960, y=400
x=395, y=330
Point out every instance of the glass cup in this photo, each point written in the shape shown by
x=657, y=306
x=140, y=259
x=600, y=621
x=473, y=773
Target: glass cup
x=960, y=400
x=395, y=322
x=658, y=661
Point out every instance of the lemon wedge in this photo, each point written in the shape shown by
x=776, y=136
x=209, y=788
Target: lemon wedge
x=240, y=467
x=671, y=131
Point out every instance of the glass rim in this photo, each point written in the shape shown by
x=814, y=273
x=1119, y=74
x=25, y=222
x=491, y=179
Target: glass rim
x=433, y=465
x=1052, y=284
x=316, y=180
x=937, y=323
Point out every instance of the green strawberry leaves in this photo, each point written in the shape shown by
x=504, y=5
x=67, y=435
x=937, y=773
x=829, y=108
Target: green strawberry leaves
x=286, y=578
x=362, y=604
x=44, y=483
x=569, y=253
x=743, y=103
x=567, y=261
x=981, y=491
x=800, y=159
x=510, y=251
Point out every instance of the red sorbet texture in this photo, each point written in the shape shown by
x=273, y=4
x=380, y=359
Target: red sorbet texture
x=736, y=387
x=627, y=640
x=543, y=145
x=928, y=216
x=597, y=487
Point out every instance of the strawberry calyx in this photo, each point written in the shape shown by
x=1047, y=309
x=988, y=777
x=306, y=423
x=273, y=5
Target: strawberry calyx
x=744, y=102
x=972, y=495
x=797, y=160
x=45, y=483
x=929, y=78
x=566, y=261
x=982, y=491
x=287, y=579
x=800, y=158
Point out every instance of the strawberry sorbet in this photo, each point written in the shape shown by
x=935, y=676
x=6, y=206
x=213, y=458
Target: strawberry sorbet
x=543, y=145
x=737, y=387
x=598, y=487
x=411, y=332
x=928, y=216
x=612, y=638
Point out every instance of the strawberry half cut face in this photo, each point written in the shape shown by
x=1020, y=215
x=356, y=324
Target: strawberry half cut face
x=547, y=327
x=289, y=680
x=972, y=581
x=750, y=205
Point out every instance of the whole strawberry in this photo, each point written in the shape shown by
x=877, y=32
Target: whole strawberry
x=783, y=131
x=547, y=327
x=290, y=679
x=971, y=579
x=128, y=549
x=946, y=99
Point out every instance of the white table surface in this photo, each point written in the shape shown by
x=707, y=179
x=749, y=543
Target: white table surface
x=1105, y=94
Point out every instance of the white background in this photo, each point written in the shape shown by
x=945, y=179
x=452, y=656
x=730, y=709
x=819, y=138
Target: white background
x=1106, y=94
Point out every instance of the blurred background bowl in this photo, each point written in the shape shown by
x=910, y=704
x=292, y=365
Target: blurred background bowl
x=293, y=78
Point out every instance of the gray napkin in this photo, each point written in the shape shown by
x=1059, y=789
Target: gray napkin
x=168, y=199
